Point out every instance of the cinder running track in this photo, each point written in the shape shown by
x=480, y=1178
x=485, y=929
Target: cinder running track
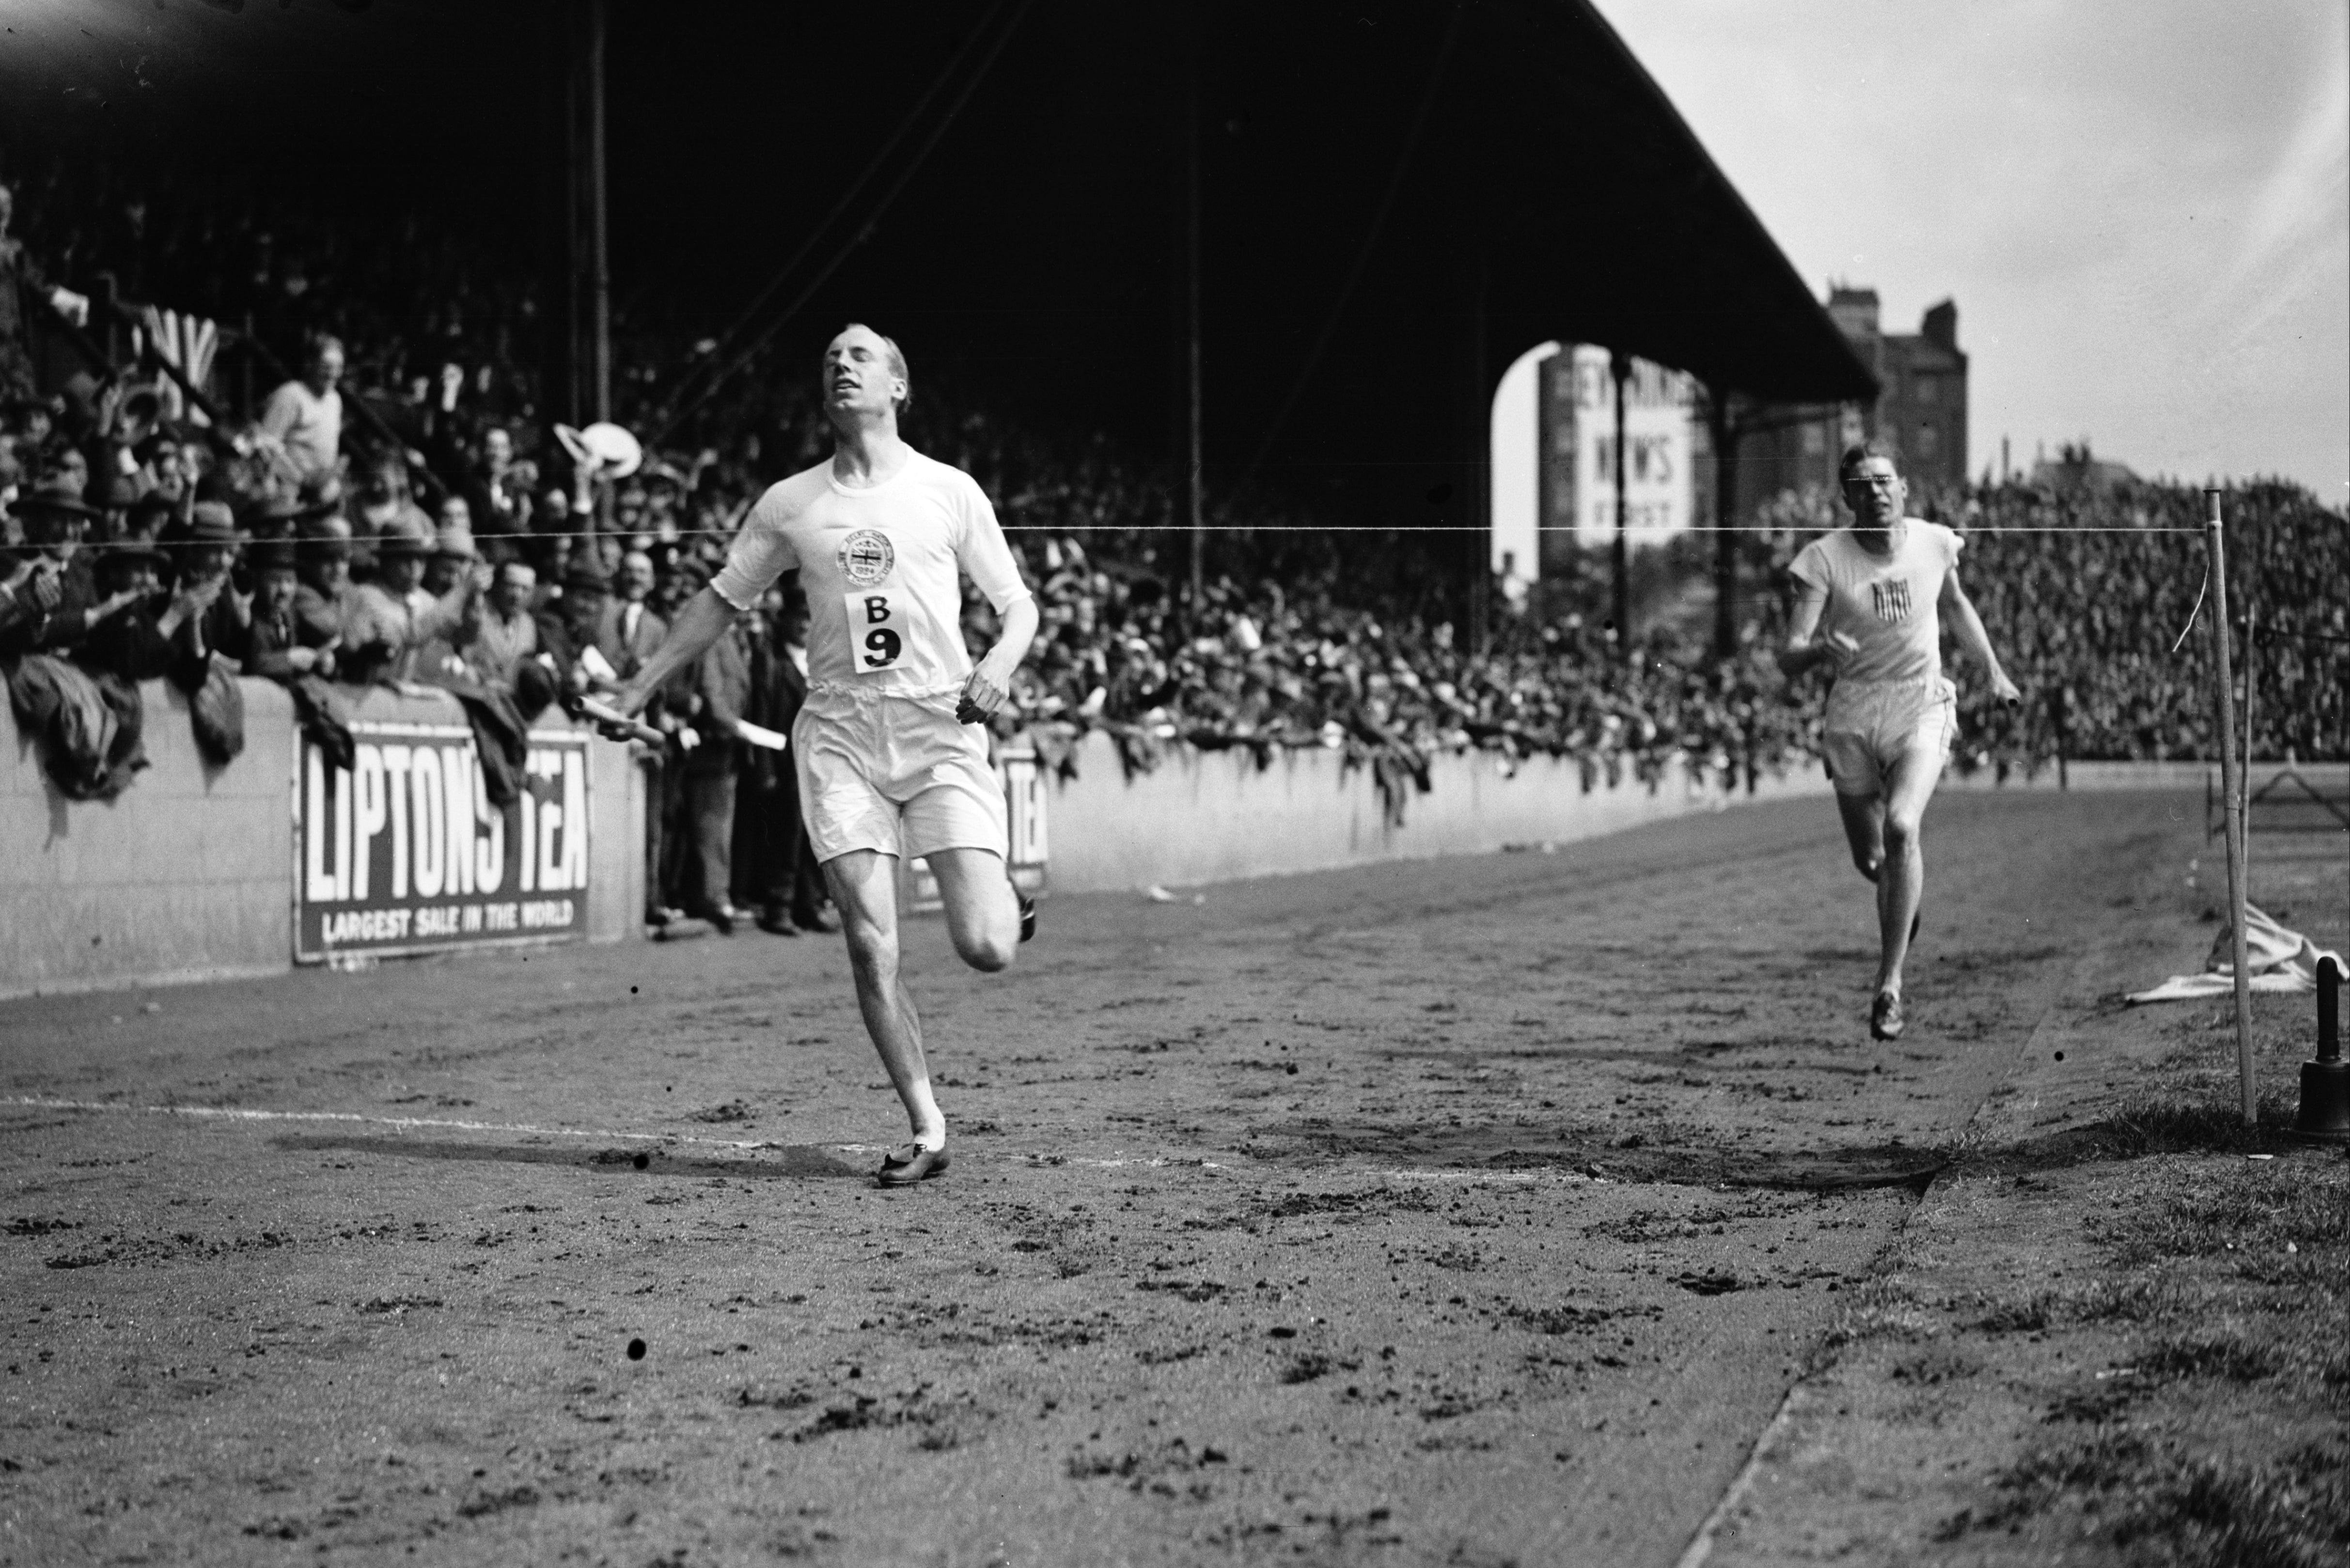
x=1476, y=1211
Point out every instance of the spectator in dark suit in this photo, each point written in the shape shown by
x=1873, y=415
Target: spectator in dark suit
x=497, y=497
x=155, y=634
x=322, y=604
x=51, y=602
x=566, y=629
x=775, y=868
x=280, y=646
x=629, y=630
x=208, y=554
x=703, y=853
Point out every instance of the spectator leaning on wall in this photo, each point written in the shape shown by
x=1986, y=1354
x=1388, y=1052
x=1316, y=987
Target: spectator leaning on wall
x=389, y=619
x=280, y=646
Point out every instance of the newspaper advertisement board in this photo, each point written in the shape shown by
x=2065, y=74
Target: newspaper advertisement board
x=403, y=852
x=1577, y=457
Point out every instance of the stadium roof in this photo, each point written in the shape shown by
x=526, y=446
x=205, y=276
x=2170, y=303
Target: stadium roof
x=1398, y=196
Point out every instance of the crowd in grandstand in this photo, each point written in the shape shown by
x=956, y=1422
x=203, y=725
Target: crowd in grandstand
x=429, y=531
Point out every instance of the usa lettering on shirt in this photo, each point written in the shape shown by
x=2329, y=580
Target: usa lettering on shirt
x=1892, y=598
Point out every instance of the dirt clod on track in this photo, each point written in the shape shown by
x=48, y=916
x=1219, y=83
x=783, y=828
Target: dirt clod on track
x=1475, y=1211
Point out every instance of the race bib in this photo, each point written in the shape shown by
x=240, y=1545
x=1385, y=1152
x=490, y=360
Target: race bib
x=876, y=629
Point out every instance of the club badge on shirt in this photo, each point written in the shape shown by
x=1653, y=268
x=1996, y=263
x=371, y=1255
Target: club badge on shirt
x=1892, y=596
x=865, y=558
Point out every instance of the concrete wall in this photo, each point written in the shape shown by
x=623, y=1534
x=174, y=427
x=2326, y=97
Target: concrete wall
x=186, y=875
x=1211, y=816
x=189, y=874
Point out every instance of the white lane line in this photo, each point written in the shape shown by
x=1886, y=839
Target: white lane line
x=239, y=1114
x=1701, y=1546
x=451, y=1124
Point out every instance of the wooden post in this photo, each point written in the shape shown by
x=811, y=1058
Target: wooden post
x=2231, y=781
x=2060, y=701
x=599, y=270
x=1195, y=500
x=1725, y=514
x=1620, y=366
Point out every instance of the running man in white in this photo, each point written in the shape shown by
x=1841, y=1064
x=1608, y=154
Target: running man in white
x=1871, y=593
x=888, y=756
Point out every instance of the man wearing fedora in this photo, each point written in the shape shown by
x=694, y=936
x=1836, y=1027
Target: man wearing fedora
x=323, y=558
x=567, y=630
x=207, y=553
x=159, y=630
x=279, y=644
x=390, y=619
x=49, y=600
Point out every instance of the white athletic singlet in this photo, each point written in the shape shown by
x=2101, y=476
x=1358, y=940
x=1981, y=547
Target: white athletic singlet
x=878, y=567
x=1884, y=603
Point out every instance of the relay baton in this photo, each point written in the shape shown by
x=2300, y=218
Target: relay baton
x=617, y=725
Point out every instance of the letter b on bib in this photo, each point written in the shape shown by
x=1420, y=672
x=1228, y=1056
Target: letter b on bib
x=876, y=629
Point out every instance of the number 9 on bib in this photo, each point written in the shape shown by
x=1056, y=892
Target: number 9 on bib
x=877, y=630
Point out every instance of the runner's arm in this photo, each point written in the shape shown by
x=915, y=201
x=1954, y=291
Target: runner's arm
x=1969, y=625
x=757, y=558
x=982, y=551
x=1805, y=646
x=702, y=622
x=990, y=679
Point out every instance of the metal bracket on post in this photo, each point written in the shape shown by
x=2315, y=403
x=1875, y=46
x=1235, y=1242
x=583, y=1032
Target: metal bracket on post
x=2324, y=1114
x=2230, y=782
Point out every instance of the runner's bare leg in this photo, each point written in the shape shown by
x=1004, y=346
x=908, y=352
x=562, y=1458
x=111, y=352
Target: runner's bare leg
x=864, y=885
x=982, y=912
x=1863, y=829
x=1901, y=881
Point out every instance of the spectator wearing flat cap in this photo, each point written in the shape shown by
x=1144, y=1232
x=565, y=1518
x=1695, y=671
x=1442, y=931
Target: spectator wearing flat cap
x=390, y=618
x=452, y=557
x=48, y=600
x=442, y=657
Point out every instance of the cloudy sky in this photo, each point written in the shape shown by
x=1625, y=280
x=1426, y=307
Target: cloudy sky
x=2142, y=207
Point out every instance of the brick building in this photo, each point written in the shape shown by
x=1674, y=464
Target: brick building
x=1921, y=412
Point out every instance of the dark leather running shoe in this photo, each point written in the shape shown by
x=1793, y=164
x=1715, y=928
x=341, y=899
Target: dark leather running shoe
x=1028, y=916
x=1885, y=1020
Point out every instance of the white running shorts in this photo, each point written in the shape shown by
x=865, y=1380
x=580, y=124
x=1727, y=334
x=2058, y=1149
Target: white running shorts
x=894, y=773
x=1871, y=724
